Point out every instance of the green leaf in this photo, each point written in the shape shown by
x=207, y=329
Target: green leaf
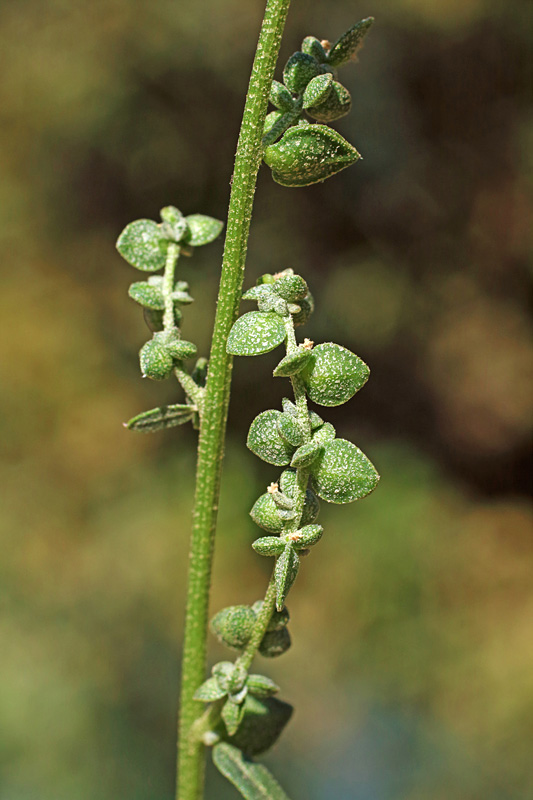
x=281, y=97
x=312, y=46
x=158, y=419
x=201, y=229
x=233, y=626
x=343, y=473
x=326, y=433
x=143, y=245
x=265, y=513
x=290, y=287
x=333, y=374
x=253, y=781
x=290, y=430
x=307, y=536
x=282, y=500
x=315, y=420
x=254, y=333
x=209, y=691
x=268, y=546
x=232, y=714
x=336, y=105
x=287, y=482
x=256, y=292
x=275, y=643
x=262, y=724
x=155, y=360
x=292, y=364
x=175, y=223
x=147, y=295
x=285, y=573
x=299, y=70
x=261, y=686
x=264, y=439
x=317, y=90
x=306, y=454
x=307, y=154
x=180, y=349
x=347, y=45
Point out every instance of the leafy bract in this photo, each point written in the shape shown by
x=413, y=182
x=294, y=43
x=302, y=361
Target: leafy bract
x=143, y=245
x=265, y=441
x=255, y=333
x=333, y=374
x=343, y=473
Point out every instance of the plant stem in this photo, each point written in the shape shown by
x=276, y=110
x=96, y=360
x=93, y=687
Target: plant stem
x=168, y=285
x=213, y=425
x=260, y=627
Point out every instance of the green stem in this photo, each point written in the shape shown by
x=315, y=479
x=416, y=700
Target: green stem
x=260, y=627
x=212, y=432
x=173, y=253
x=191, y=389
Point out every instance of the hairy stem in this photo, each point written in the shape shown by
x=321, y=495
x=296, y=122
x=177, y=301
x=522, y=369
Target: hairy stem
x=213, y=425
x=168, y=285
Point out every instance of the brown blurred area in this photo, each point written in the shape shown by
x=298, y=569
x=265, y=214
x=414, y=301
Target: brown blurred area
x=412, y=660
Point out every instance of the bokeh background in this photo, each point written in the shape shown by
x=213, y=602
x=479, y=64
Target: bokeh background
x=412, y=661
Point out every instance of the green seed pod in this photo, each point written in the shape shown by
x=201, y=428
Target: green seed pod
x=265, y=513
x=261, y=724
x=143, y=244
x=201, y=229
x=275, y=643
x=306, y=454
x=343, y=473
x=308, y=154
x=292, y=364
x=281, y=97
x=291, y=287
x=266, y=278
x=257, y=292
x=335, y=105
x=272, y=119
x=307, y=306
x=155, y=360
x=233, y=626
x=290, y=429
x=289, y=407
x=287, y=483
x=299, y=70
x=255, y=333
x=312, y=46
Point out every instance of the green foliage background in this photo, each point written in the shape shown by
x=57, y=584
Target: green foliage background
x=411, y=668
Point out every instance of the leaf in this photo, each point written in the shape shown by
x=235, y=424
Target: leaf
x=307, y=154
x=313, y=47
x=306, y=454
x=147, y=295
x=347, y=45
x=333, y=374
x=287, y=482
x=232, y=714
x=158, y=419
x=326, y=433
x=285, y=573
x=155, y=360
x=317, y=90
x=256, y=292
x=343, y=473
x=143, y=245
x=308, y=536
x=290, y=287
x=292, y=364
x=261, y=686
x=264, y=439
x=253, y=781
x=290, y=430
x=281, y=97
x=299, y=70
x=336, y=105
x=201, y=229
x=255, y=333
x=209, y=691
x=265, y=513
x=233, y=626
x=269, y=546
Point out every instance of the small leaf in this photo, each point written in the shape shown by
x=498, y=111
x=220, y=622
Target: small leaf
x=317, y=90
x=158, y=419
x=143, y=245
x=233, y=626
x=307, y=536
x=209, y=691
x=155, y=360
x=290, y=287
x=326, y=433
x=347, y=45
x=268, y=546
x=261, y=686
x=285, y=573
x=256, y=292
x=290, y=430
x=287, y=482
x=343, y=473
x=271, y=302
x=313, y=47
x=306, y=454
x=333, y=374
x=201, y=229
x=289, y=407
x=253, y=781
x=292, y=364
x=265, y=513
x=281, y=97
x=174, y=222
x=255, y=333
x=275, y=643
x=315, y=420
x=180, y=349
x=307, y=154
x=282, y=501
x=232, y=714
x=299, y=70
x=265, y=441
x=147, y=295
x=336, y=105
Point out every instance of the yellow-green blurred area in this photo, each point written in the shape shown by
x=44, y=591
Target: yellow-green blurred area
x=411, y=668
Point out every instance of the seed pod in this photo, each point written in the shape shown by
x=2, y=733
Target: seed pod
x=335, y=105
x=233, y=626
x=317, y=90
x=265, y=441
x=180, y=349
x=299, y=70
x=291, y=287
x=175, y=224
x=343, y=473
x=307, y=536
x=261, y=686
x=324, y=434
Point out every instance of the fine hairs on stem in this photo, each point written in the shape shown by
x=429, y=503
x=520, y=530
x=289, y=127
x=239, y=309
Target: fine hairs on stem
x=235, y=712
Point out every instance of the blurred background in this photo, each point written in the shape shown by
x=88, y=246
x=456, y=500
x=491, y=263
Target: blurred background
x=412, y=661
